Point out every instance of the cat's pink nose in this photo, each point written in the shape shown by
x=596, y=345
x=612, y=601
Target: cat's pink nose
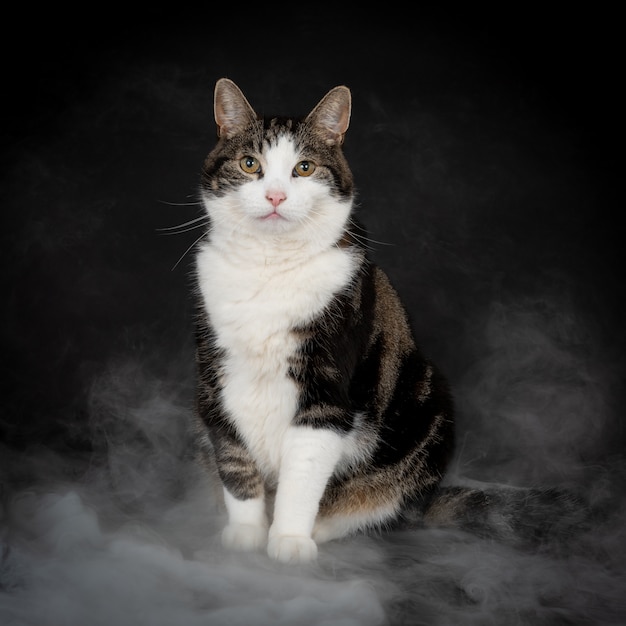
x=275, y=197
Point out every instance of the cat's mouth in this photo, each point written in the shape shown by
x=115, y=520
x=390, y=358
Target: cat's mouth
x=273, y=215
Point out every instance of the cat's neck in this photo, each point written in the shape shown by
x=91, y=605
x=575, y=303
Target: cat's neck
x=245, y=248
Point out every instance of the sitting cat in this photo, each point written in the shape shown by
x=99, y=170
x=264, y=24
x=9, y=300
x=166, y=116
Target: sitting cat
x=314, y=402
x=312, y=392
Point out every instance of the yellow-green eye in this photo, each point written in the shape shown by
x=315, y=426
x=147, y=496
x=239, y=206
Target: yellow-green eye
x=250, y=165
x=304, y=168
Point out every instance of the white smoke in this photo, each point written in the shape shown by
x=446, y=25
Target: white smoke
x=71, y=567
x=135, y=539
x=534, y=402
x=130, y=535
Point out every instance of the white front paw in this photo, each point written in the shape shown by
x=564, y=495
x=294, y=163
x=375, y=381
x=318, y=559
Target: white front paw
x=244, y=537
x=292, y=548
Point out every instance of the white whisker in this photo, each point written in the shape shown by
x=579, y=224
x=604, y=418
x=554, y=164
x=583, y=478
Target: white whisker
x=185, y=226
x=194, y=203
x=366, y=240
x=184, y=254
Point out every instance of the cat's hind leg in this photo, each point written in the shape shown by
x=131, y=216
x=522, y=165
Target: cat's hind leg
x=338, y=526
x=365, y=501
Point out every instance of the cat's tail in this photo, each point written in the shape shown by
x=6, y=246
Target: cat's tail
x=517, y=516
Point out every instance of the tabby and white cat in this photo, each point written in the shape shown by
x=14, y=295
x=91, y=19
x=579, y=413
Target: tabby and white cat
x=322, y=416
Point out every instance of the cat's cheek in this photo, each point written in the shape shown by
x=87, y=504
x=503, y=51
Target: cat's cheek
x=292, y=548
x=244, y=537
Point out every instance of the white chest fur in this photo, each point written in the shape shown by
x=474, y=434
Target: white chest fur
x=253, y=309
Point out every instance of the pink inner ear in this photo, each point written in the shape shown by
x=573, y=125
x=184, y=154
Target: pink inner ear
x=220, y=118
x=332, y=114
x=231, y=109
x=224, y=118
x=335, y=123
x=339, y=125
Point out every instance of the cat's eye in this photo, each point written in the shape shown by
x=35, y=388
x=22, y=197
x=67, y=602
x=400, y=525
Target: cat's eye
x=304, y=168
x=250, y=165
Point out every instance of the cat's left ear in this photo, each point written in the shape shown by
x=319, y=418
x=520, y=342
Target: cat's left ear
x=331, y=116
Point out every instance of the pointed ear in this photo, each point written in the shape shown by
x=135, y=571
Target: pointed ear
x=233, y=112
x=331, y=117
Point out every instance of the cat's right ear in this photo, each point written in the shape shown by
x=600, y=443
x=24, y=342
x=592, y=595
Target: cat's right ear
x=331, y=117
x=233, y=112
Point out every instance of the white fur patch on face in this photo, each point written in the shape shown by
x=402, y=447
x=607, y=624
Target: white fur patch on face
x=279, y=206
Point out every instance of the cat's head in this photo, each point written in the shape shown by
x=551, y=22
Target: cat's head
x=280, y=178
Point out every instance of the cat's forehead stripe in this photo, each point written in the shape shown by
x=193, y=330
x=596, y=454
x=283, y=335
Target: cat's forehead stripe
x=276, y=128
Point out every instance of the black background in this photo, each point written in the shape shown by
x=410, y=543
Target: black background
x=485, y=150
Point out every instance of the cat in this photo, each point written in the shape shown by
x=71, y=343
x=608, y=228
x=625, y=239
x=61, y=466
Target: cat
x=314, y=401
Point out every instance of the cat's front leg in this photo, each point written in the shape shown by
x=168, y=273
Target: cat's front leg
x=244, y=493
x=247, y=523
x=309, y=457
